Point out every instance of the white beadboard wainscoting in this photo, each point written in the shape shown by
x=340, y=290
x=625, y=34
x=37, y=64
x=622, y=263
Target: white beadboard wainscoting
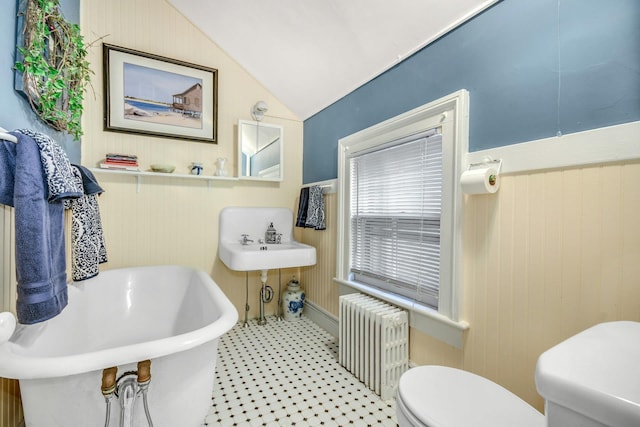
x=10, y=405
x=553, y=252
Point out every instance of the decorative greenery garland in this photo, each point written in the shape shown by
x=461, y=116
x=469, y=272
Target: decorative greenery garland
x=54, y=66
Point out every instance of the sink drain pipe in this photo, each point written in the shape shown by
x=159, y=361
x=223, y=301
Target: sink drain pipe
x=266, y=295
x=246, y=299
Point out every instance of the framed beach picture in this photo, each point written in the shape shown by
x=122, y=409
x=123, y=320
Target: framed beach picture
x=153, y=95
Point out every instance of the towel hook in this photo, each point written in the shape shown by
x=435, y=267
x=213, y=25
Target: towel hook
x=4, y=134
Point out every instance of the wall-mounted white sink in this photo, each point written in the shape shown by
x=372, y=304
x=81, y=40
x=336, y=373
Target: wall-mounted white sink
x=266, y=257
x=253, y=222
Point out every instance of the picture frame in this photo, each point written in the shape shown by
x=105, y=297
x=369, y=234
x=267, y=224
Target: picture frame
x=153, y=95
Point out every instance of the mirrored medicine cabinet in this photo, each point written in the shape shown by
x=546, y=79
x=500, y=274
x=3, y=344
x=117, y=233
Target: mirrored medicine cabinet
x=260, y=151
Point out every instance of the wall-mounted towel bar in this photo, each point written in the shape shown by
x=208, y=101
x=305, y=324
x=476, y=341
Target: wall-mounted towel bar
x=329, y=186
x=4, y=134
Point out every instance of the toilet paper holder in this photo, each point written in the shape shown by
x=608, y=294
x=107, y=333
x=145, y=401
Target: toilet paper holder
x=487, y=161
x=482, y=177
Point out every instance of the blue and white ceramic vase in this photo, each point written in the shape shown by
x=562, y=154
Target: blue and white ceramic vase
x=293, y=301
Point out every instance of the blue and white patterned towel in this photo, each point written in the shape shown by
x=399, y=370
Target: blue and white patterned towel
x=87, y=240
x=315, y=212
x=57, y=168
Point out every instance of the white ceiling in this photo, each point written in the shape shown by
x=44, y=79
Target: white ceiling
x=311, y=53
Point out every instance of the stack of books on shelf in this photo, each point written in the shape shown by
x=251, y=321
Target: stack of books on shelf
x=125, y=162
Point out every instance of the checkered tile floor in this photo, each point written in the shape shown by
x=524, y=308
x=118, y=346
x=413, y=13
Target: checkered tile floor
x=287, y=374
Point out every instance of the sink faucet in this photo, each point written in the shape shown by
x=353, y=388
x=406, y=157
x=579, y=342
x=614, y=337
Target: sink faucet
x=245, y=239
x=270, y=236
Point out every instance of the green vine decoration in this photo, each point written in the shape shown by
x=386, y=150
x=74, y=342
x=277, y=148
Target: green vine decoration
x=54, y=67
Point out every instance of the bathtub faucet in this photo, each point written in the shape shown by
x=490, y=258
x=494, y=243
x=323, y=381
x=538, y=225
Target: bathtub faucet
x=108, y=389
x=144, y=378
x=144, y=373
x=127, y=391
x=127, y=388
x=109, y=381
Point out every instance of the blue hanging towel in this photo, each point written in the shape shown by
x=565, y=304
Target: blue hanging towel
x=303, y=206
x=39, y=231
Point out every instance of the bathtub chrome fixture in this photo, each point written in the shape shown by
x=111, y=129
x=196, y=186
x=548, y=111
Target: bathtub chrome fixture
x=245, y=239
x=108, y=389
x=127, y=391
x=128, y=387
x=144, y=378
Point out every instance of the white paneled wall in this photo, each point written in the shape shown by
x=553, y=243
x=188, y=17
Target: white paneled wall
x=549, y=255
x=554, y=253
x=317, y=280
x=173, y=220
x=5, y=257
x=10, y=406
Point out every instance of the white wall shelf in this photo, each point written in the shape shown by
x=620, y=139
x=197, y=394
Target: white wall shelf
x=140, y=174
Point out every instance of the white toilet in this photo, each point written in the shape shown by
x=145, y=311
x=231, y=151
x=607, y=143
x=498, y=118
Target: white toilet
x=438, y=396
x=593, y=378
x=590, y=380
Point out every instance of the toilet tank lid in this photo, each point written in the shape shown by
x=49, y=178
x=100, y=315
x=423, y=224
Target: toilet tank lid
x=440, y=396
x=595, y=373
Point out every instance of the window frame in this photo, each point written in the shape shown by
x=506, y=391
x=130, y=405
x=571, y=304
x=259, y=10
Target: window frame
x=451, y=114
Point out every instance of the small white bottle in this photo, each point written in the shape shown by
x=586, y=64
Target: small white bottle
x=221, y=166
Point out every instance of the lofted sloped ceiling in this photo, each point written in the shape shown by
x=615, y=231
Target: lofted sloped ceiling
x=311, y=53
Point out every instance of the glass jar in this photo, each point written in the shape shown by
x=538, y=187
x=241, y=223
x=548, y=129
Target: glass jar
x=221, y=166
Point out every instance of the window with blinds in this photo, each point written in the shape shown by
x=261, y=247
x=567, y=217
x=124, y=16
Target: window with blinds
x=395, y=210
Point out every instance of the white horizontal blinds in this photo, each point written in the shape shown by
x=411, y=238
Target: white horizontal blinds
x=395, y=217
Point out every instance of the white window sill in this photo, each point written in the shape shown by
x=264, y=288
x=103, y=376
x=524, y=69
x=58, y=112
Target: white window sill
x=422, y=318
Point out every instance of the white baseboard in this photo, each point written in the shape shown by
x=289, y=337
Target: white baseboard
x=322, y=318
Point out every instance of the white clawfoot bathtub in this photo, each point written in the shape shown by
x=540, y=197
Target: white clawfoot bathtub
x=173, y=316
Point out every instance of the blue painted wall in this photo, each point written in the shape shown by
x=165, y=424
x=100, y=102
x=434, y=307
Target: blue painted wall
x=533, y=69
x=15, y=112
